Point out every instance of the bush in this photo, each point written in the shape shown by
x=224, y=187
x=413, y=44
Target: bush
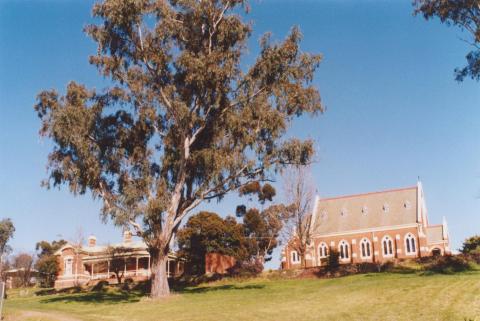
x=333, y=260
x=100, y=286
x=470, y=245
x=449, y=264
x=246, y=269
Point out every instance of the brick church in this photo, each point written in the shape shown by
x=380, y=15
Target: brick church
x=372, y=227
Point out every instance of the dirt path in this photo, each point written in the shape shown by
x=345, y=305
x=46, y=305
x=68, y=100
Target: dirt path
x=40, y=316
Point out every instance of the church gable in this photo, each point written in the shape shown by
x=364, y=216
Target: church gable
x=365, y=211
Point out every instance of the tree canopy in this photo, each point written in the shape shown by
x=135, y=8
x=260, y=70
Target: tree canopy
x=207, y=232
x=461, y=13
x=182, y=122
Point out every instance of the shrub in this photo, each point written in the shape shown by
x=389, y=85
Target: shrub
x=100, y=286
x=246, y=268
x=333, y=260
x=472, y=244
x=449, y=264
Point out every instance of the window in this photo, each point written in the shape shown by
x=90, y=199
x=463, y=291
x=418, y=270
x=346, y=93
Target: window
x=386, y=208
x=365, y=248
x=343, y=212
x=387, y=246
x=295, y=258
x=324, y=215
x=410, y=246
x=364, y=210
x=407, y=205
x=68, y=265
x=343, y=249
x=322, y=250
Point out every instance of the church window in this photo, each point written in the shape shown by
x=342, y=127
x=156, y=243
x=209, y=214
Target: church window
x=323, y=250
x=365, y=248
x=387, y=246
x=410, y=245
x=343, y=250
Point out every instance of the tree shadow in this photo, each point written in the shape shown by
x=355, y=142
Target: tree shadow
x=96, y=297
x=205, y=289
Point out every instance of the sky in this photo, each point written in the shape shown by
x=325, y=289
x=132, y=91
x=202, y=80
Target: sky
x=393, y=109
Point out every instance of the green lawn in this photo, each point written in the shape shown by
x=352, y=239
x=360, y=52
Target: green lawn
x=361, y=297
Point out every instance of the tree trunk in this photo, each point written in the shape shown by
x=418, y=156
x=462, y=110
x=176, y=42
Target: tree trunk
x=160, y=286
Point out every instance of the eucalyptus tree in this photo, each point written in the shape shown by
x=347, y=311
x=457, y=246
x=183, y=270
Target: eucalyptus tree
x=183, y=121
x=461, y=13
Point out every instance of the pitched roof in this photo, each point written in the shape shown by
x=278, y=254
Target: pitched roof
x=363, y=211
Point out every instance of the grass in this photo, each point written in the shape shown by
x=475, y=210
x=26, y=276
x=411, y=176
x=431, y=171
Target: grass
x=384, y=296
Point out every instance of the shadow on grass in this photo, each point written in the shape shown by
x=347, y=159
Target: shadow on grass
x=222, y=288
x=96, y=297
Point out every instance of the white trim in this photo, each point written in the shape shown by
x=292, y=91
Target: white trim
x=320, y=246
x=367, y=230
x=346, y=251
x=410, y=236
x=292, y=260
x=368, y=248
x=387, y=238
x=314, y=216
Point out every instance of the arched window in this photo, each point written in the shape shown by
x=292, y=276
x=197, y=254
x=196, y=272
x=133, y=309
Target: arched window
x=387, y=246
x=295, y=258
x=365, y=248
x=410, y=246
x=323, y=250
x=343, y=250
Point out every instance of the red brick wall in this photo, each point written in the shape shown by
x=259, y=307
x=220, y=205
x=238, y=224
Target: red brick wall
x=218, y=263
x=353, y=240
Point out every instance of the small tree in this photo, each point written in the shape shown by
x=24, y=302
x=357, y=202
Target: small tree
x=464, y=14
x=207, y=232
x=471, y=245
x=333, y=259
x=117, y=263
x=262, y=227
x=46, y=263
x=6, y=233
x=23, y=262
x=299, y=195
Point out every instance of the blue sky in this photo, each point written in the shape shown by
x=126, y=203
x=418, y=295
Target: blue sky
x=394, y=111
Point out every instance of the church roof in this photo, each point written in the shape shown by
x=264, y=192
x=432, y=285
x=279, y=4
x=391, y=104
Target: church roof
x=365, y=211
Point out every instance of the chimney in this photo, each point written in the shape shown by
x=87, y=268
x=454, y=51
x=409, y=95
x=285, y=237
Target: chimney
x=92, y=241
x=127, y=237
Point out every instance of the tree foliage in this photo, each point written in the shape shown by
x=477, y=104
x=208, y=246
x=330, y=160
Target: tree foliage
x=23, y=262
x=299, y=195
x=183, y=122
x=47, y=264
x=207, y=232
x=464, y=14
x=6, y=233
x=262, y=227
x=471, y=245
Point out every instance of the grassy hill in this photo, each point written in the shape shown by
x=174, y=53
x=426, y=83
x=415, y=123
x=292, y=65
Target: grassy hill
x=384, y=296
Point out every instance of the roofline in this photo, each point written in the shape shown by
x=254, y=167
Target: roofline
x=369, y=193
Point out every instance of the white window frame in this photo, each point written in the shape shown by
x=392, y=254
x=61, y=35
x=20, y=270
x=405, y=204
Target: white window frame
x=346, y=250
x=364, y=243
x=294, y=257
x=68, y=266
x=409, y=241
x=386, y=239
x=322, y=250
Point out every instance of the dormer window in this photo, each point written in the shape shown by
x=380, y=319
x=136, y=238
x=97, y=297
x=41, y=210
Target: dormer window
x=364, y=210
x=324, y=215
x=343, y=212
x=407, y=205
x=386, y=208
